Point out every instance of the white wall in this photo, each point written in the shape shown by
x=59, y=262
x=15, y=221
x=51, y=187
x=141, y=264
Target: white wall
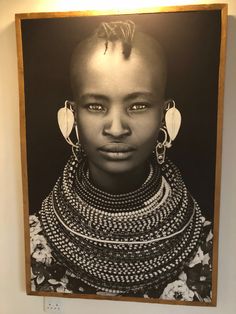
x=13, y=299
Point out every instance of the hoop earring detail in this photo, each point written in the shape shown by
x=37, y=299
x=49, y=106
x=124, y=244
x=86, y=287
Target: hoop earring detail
x=161, y=148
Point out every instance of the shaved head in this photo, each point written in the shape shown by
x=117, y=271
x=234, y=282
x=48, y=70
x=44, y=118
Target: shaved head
x=140, y=45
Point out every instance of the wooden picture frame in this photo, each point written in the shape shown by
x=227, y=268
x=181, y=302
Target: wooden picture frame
x=194, y=40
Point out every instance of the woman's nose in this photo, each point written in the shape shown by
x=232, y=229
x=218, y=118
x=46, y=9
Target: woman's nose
x=116, y=125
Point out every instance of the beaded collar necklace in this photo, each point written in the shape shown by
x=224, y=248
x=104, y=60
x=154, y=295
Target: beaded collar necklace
x=122, y=243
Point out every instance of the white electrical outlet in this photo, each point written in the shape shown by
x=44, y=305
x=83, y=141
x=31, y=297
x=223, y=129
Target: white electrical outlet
x=53, y=305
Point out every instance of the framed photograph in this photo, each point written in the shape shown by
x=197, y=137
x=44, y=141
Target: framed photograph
x=121, y=129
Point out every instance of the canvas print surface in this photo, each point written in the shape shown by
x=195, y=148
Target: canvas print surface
x=121, y=140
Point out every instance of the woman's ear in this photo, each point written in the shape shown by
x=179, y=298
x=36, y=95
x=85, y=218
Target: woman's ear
x=74, y=107
x=71, y=105
x=163, y=106
x=166, y=104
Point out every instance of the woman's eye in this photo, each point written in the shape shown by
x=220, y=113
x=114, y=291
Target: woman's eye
x=96, y=107
x=138, y=107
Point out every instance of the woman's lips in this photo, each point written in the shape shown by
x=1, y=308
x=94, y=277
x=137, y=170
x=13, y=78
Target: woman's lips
x=116, y=147
x=116, y=151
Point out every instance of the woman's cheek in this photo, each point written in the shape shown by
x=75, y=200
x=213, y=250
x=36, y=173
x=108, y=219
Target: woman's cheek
x=89, y=134
x=148, y=127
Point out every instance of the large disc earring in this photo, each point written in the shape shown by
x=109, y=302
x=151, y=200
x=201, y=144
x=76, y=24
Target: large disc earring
x=170, y=129
x=172, y=120
x=66, y=122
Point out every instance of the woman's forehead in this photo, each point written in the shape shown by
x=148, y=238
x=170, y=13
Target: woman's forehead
x=96, y=62
x=95, y=58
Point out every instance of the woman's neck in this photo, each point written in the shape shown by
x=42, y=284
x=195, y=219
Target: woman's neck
x=118, y=183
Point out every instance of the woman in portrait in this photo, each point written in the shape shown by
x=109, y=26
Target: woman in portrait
x=120, y=220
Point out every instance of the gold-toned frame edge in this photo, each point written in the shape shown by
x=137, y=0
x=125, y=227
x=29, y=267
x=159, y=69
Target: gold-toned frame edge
x=158, y=9
x=23, y=152
x=223, y=42
x=223, y=7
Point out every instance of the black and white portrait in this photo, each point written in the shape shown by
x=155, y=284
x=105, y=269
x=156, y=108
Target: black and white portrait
x=121, y=142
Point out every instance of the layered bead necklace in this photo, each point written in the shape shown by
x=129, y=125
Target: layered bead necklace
x=122, y=243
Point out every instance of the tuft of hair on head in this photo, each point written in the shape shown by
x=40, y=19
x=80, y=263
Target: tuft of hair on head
x=117, y=30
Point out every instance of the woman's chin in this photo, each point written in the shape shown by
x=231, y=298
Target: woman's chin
x=122, y=166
